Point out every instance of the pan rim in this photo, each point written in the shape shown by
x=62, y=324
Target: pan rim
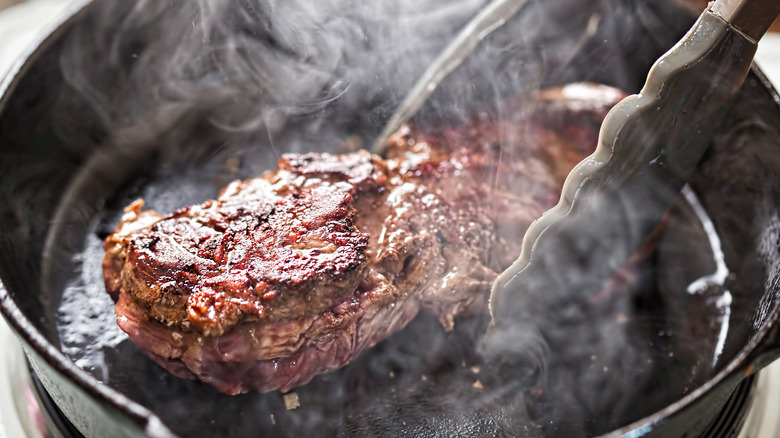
x=17, y=321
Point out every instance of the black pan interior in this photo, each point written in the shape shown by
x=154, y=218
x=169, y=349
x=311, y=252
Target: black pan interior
x=67, y=171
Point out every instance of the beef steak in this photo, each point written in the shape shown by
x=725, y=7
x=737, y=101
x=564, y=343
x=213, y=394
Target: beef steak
x=296, y=272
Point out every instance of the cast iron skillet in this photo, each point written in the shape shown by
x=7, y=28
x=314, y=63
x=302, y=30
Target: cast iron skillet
x=63, y=181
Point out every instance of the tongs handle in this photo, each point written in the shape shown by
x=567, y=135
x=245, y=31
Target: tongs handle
x=750, y=17
x=649, y=146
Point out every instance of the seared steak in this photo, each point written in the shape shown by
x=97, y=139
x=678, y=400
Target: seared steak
x=295, y=273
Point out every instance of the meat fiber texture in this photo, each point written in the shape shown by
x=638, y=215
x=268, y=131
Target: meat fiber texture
x=298, y=271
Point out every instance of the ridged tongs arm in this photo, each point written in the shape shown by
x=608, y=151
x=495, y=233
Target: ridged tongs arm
x=649, y=146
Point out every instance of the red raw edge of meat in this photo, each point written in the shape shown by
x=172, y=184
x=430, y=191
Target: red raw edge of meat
x=193, y=355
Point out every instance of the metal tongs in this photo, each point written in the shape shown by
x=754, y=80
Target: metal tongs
x=649, y=146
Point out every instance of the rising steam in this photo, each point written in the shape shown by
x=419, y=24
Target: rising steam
x=250, y=66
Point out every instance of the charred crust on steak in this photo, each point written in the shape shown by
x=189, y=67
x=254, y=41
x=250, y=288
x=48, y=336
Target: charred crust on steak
x=226, y=261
